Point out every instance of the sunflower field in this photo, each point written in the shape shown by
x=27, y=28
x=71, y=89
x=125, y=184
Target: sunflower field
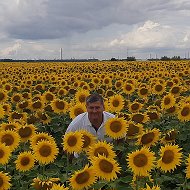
x=150, y=147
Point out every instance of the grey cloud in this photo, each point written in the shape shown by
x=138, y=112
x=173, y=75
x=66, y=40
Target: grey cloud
x=58, y=19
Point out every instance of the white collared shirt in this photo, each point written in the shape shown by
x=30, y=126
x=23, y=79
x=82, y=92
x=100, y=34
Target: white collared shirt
x=82, y=122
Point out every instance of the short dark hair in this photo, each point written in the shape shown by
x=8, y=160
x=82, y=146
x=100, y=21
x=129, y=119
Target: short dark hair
x=94, y=98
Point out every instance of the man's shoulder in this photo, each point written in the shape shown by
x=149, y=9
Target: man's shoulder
x=108, y=114
x=80, y=116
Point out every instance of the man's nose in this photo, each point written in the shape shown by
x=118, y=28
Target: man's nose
x=94, y=109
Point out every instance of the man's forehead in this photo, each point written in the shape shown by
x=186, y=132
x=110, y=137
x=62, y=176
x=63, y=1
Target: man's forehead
x=97, y=103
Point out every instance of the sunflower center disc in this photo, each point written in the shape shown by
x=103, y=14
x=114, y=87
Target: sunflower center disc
x=167, y=101
x=1, y=154
x=168, y=156
x=8, y=140
x=106, y=166
x=82, y=177
x=115, y=126
x=86, y=141
x=147, y=138
x=1, y=182
x=102, y=151
x=25, y=132
x=140, y=160
x=72, y=141
x=45, y=151
x=25, y=161
x=132, y=130
x=185, y=111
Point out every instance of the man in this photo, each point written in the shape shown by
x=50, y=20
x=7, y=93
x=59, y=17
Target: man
x=94, y=119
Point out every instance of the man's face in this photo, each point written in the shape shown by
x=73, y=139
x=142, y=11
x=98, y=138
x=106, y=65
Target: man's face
x=95, y=110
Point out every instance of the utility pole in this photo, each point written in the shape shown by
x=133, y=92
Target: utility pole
x=61, y=54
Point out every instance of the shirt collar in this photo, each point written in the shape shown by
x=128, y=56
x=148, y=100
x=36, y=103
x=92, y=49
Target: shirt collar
x=89, y=123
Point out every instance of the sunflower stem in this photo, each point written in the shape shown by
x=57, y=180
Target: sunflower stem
x=67, y=173
x=43, y=170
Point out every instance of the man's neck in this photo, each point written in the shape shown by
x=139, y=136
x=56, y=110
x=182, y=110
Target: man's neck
x=96, y=124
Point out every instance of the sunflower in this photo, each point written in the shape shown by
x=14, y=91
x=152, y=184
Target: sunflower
x=176, y=90
x=10, y=126
x=77, y=109
x=88, y=139
x=26, y=131
x=59, y=106
x=39, y=87
x=45, y=152
x=139, y=117
x=73, y=142
x=10, y=138
x=143, y=92
x=5, y=154
x=3, y=96
x=109, y=93
x=96, y=81
x=116, y=103
x=17, y=97
x=128, y=88
x=83, y=178
x=118, y=84
x=170, y=157
x=4, y=181
x=43, y=117
x=62, y=92
x=149, y=137
x=184, y=112
x=116, y=128
x=7, y=108
x=106, y=168
x=188, y=167
x=135, y=107
x=173, y=110
x=81, y=95
x=48, y=96
x=22, y=105
x=25, y=161
x=151, y=188
x=141, y=161
x=36, y=105
x=168, y=101
x=26, y=95
x=16, y=116
x=7, y=87
x=124, y=115
x=133, y=130
x=169, y=137
x=101, y=148
x=2, y=112
x=44, y=183
x=39, y=137
x=59, y=187
x=158, y=88
x=107, y=82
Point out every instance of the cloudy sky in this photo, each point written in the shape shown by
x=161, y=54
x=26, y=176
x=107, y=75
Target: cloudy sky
x=38, y=29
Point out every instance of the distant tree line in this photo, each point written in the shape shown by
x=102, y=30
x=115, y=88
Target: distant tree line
x=127, y=59
x=166, y=58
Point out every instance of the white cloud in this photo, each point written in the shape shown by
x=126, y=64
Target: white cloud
x=150, y=34
x=12, y=50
